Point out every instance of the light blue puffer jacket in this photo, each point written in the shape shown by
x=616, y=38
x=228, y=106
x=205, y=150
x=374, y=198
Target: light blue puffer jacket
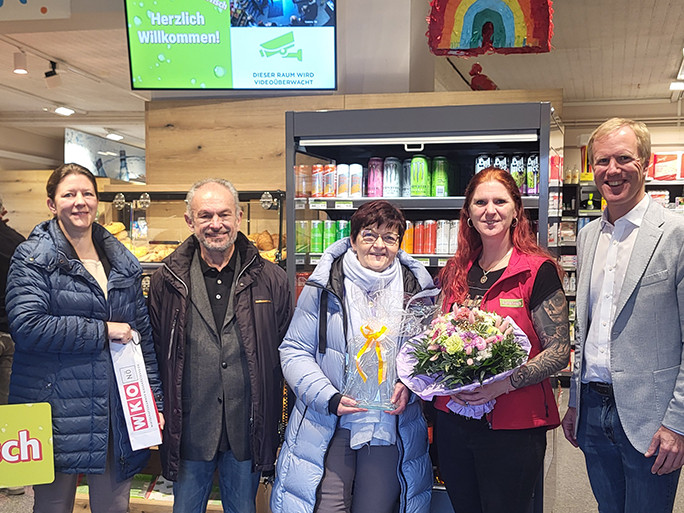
x=57, y=314
x=315, y=377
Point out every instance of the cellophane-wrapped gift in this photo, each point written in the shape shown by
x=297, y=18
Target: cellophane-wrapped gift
x=372, y=351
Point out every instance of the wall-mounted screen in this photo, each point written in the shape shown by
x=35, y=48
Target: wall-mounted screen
x=232, y=44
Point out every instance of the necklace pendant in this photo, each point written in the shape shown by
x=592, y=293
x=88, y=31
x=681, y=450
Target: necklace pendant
x=483, y=279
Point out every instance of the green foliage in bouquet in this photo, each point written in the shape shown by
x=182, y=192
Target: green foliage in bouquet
x=466, y=346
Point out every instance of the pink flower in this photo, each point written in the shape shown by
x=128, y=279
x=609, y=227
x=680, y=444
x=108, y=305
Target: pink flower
x=469, y=361
x=468, y=350
x=434, y=357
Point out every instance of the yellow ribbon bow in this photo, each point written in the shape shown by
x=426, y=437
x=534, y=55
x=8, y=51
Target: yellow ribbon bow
x=372, y=338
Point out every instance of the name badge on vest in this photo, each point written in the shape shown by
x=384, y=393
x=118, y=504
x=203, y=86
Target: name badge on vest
x=510, y=303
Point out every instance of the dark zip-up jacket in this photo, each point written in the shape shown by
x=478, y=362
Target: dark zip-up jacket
x=57, y=314
x=262, y=309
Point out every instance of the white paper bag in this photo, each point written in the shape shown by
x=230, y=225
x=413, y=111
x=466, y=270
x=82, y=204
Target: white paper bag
x=136, y=395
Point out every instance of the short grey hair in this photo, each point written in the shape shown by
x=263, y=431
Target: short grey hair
x=220, y=181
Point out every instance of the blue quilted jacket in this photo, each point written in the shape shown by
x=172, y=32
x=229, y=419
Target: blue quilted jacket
x=57, y=314
x=315, y=377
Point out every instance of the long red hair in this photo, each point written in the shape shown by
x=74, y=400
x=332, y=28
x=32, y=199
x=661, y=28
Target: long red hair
x=453, y=278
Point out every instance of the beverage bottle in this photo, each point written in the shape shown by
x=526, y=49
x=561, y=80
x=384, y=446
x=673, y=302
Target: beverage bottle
x=342, y=180
x=374, y=182
x=123, y=165
x=440, y=177
x=391, y=177
x=355, y=180
x=406, y=178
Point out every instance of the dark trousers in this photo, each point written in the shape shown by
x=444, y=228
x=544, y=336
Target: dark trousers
x=485, y=470
x=620, y=476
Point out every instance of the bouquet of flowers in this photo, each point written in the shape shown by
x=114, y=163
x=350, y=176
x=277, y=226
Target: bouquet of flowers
x=461, y=351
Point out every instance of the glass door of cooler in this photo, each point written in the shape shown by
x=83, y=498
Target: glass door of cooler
x=335, y=164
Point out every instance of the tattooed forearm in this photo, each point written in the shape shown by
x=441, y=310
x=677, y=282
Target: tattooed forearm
x=550, y=321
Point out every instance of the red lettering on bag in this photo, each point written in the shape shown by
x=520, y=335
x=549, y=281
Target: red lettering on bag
x=139, y=422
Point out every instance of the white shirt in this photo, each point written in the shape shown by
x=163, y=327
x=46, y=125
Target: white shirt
x=611, y=259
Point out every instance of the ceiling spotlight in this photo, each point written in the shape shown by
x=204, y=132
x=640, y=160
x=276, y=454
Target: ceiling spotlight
x=20, y=66
x=64, y=111
x=113, y=137
x=52, y=79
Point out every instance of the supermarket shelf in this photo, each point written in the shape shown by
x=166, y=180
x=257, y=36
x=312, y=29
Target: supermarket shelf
x=417, y=203
x=436, y=260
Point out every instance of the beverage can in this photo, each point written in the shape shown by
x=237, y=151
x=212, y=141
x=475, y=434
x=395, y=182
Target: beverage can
x=453, y=236
x=502, y=161
x=316, y=236
x=443, y=234
x=482, y=161
x=329, y=232
x=342, y=229
x=533, y=173
x=430, y=237
x=418, y=236
x=420, y=176
x=518, y=171
x=407, y=241
x=391, y=177
x=317, y=181
x=342, y=180
x=406, y=178
x=329, y=181
x=355, y=180
x=302, y=181
x=303, y=236
x=374, y=180
x=440, y=177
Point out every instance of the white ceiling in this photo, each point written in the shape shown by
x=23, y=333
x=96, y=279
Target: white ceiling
x=604, y=51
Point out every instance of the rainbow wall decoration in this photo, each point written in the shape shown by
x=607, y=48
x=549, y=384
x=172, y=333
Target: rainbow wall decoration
x=476, y=27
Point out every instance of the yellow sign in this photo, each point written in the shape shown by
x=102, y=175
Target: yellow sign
x=26, y=451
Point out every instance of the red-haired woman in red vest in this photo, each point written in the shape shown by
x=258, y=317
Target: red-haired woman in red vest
x=492, y=464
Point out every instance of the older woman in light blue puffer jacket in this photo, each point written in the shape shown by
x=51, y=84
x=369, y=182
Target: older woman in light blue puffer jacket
x=313, y=356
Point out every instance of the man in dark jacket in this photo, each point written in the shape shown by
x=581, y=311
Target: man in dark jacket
x=219, y=312
x=9, y=240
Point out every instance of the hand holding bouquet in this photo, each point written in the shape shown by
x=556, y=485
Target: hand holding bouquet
x=461, y=351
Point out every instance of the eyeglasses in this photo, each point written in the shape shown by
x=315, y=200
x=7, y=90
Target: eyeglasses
x=369, y=237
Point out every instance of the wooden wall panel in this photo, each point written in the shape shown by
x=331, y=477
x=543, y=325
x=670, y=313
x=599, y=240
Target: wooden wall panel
x=244, y=140
x=241, y=140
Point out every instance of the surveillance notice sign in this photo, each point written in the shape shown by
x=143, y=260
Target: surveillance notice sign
x=236, y=44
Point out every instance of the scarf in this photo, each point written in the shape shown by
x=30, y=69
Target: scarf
x=373, y=427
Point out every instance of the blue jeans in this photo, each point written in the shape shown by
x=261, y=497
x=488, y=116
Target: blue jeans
x=620, y=476
x=237, y=483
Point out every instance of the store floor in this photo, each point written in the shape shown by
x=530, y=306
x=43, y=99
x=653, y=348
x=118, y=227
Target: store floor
x=567, y=487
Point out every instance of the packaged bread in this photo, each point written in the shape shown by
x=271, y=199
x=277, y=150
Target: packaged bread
x=115, y=227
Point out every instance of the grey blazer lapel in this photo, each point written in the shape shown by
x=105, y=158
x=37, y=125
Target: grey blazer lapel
x=199, y=297
x=645, y=245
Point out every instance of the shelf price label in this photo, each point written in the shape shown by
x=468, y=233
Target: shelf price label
x=344, y=205
x=318, y=204
x=424, y=261
x=441, y=262
x=300, y=260
x=313, y=260
x=300, y=203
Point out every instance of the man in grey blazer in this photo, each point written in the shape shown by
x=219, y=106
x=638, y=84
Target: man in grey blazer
x=626, y=406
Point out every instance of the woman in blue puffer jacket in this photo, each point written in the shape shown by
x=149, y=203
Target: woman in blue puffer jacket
x=72, y=289
x=338, y=457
